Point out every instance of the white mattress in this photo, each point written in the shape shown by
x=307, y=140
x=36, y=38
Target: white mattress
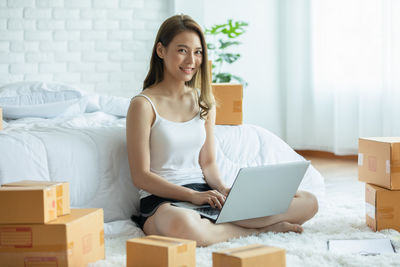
x=89, y=151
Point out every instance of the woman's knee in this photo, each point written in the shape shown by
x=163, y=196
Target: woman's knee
x=181, y=224
x=311, y=203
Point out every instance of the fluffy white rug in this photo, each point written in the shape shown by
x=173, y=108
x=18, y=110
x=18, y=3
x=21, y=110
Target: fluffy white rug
x=341, y=216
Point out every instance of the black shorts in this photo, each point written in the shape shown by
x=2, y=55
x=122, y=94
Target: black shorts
x=150, y=204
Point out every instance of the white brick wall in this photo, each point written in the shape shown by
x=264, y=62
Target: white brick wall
x=102, y=46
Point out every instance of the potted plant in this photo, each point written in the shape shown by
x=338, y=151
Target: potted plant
x=221, y=38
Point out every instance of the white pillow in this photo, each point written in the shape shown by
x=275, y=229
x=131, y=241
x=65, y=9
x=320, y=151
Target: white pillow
x=114, y=105
x=40, y=99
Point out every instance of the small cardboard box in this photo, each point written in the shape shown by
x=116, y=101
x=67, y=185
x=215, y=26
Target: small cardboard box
x=250, y=256
x=382, y=208
x=160, y=251
x=72, y=240
x=62, y=193
x=1, y=119
x=229, y=103
x=27, y=204
x=379, y=161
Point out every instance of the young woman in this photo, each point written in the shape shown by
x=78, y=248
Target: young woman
x=170, y=139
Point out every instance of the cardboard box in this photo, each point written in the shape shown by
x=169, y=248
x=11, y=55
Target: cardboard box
x=62, y=193
x=379, y=161
x=250, y=256
x=382, y=208
x=27, y=204
x=160, y=251
x=72, y=240
x=229, y=103
x=1, y=119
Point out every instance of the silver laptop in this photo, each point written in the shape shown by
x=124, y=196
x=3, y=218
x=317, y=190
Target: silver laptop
x=257, y=192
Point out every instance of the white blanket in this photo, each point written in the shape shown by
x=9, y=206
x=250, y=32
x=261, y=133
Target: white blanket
x=89, y=151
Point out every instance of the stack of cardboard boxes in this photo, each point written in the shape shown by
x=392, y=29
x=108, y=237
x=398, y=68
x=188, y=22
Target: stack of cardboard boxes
x=379, y=167
x=38, y=228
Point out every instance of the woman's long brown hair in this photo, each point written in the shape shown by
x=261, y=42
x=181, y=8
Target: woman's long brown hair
x=168, y=30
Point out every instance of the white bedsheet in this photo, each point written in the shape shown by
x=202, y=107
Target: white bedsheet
x=89, y=151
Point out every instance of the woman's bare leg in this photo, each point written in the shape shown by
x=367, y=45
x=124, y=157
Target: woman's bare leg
x=303, y=207
x=184, y=223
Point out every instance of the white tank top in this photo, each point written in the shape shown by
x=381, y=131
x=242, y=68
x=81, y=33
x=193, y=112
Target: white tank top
x=175, y=149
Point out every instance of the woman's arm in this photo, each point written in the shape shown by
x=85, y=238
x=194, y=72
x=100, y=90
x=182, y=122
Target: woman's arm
x=207, y=158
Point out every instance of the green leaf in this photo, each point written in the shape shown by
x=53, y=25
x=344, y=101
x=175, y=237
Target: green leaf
x=224, y=44
x=216, y=29
x=229, y=57
x=234, y=30
x=211, y=46
x=223, y=77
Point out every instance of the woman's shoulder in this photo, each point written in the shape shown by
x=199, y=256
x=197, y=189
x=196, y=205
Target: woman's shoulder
x=152, y=93
x=140, y=103
x=147, y=93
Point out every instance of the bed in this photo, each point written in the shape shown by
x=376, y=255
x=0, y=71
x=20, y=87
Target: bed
x=56, y=132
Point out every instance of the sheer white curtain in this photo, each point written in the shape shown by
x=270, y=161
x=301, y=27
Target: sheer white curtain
x=341, y=72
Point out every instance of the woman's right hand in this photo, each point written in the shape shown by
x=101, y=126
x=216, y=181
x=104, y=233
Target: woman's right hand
x=212, y=197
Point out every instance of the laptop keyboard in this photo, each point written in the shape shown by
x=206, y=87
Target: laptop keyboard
x=208, y=210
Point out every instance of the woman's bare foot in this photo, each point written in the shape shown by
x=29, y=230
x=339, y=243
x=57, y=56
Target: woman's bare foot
x=283, y=227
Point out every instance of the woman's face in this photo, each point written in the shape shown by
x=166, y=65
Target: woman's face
x=182, y=57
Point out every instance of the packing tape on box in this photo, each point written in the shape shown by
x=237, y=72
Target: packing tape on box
x=239, y=250
x=60, y=209
x=372, y=163
x=181, y=246
x=87, y=241
x=360, y=159
x=49, y=192
x=370, y=210
x=52, y=214
x=102, y=237
x=59, y=197
x=52, y=204
x=59, y=191
x=163, y=240
x=387, y=166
